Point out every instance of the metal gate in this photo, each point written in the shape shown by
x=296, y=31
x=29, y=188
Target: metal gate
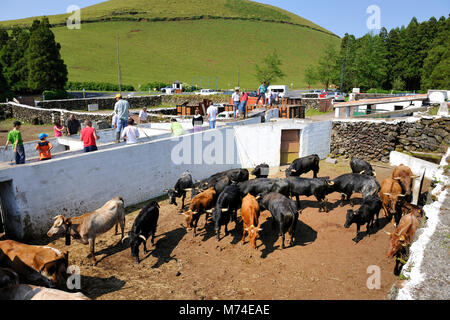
x=290, y=146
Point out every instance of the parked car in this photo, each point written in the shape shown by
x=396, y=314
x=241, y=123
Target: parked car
x=167, y=90
x=225, y=115
x=206, y=92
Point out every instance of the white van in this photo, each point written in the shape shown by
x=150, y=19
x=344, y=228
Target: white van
x=283, y=91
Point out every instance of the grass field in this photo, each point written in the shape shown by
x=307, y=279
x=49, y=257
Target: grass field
x=194, y=52
x=194, y=41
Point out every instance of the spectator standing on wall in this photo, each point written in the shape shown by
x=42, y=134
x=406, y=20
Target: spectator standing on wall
x=143, y=115
x=243, y=105
x=73, y=125
x=236, y=101
x=130, y=134
x=211, y=116
x=15, y=137
x=176, y=128
x=262, y=93
x=89, y=137
x=121, y=108
x=58, y=129
x=197, y=121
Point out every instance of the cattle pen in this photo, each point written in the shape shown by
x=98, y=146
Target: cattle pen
x=323, y=263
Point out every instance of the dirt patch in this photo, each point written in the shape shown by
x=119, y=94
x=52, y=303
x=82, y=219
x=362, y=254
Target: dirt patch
x=324, y=263
x=29, y=132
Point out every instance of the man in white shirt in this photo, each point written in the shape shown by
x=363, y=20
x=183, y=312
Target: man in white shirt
x=130, y=133
x=212, y=116
x=236, y=100
x=143, y=115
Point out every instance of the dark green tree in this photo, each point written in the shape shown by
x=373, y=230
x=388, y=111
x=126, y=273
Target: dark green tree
x=12, y=58
x=4, y=88
x=47, y=70
x=270, y=71
x=310, y=75
x=328, y=69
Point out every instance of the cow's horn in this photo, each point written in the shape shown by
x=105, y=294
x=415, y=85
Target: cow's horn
x=362, y=172
x=402, y=195
x=188, y=189
x=331, y=183
x=386, y=194
x=374, y=174
x=125, y=238
x=142, y=237
x=209, y=211
x=397, y=178
x=259, y=229
x=258, y=197
x=413, y=177
x=388, y=233
x=222, y=209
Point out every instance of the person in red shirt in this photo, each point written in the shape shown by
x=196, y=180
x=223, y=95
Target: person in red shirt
x=243, y=105
x=44, y=147
x=89, y=137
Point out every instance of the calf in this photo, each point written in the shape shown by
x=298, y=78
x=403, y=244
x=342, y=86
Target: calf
x=283, y=212
x=201, y=202
x=308, y=187
x=350, y=183
x=41, y=265
x=404, y=176
x=362, y=167
x=250, y=215
x=402, y=238
x=304, y=165
x=143, y=226
x=227, y=205
x=87, y=227
x=30, y=292
x=264, y=185
x=261, y=171
x=370, y=207
x=184, y=183
x=392, y=198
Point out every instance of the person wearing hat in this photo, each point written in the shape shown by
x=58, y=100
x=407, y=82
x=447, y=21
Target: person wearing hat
x=236, y=100
x=121, y=108
x=44, y=147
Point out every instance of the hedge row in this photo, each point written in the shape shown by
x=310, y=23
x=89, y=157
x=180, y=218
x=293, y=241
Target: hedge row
x=96, y=86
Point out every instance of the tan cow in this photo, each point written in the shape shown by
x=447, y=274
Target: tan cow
x=30, y=292
x=392, y=198
x=250, y=216
x=35, y=264
x=404, y=176
x=87, y=227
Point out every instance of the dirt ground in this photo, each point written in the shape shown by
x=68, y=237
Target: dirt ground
x=29, y=132
x=324, y=262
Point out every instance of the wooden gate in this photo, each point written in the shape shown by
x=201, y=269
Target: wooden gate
x=290, y=146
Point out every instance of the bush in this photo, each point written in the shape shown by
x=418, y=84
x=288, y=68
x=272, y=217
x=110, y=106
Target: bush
x=55, y=94
x=96, y=86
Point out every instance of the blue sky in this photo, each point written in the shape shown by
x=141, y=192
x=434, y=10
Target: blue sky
x=337, y=16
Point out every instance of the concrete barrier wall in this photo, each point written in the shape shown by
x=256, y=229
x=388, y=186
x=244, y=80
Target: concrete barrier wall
x=417, y=165
x=84, y=182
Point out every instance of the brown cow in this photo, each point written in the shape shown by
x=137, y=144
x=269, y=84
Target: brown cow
x=35, y=264
x=30, y=292
x=411, y=208
x=402, y=238
x=250, y=216
x=404, y=176
x=391, y=197
x=87, y=227
x=201, y=202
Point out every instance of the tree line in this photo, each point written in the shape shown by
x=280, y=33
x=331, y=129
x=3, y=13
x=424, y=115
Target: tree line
x=30, y=60
x=413, y=58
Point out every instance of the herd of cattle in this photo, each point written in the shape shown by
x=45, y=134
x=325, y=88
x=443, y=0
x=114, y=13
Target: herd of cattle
x=222, y=195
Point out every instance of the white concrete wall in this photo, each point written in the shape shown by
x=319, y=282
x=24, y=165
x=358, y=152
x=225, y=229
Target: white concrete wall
x=83, y=182
x=416, y=165
x=316, y=139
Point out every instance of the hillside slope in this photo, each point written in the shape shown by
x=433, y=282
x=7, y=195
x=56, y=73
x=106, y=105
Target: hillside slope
x=179, y=40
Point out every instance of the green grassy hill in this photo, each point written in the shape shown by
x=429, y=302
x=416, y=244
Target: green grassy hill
x=185, y=40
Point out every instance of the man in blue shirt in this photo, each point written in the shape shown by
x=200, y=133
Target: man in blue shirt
x=262, y=93
x=121, y=109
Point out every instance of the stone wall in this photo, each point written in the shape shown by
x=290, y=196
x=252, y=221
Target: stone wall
x=135, y=102
x=373, y=140
x=103, y=103
x=47, y=116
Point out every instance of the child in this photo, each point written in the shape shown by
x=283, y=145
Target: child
x=130, y=133
x=58, y=128
x=15, y=137
x=176, y=128
x=89, y=137
x=44, y=147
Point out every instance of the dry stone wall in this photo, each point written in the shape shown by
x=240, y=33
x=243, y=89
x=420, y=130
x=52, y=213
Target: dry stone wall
x=373, y=140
